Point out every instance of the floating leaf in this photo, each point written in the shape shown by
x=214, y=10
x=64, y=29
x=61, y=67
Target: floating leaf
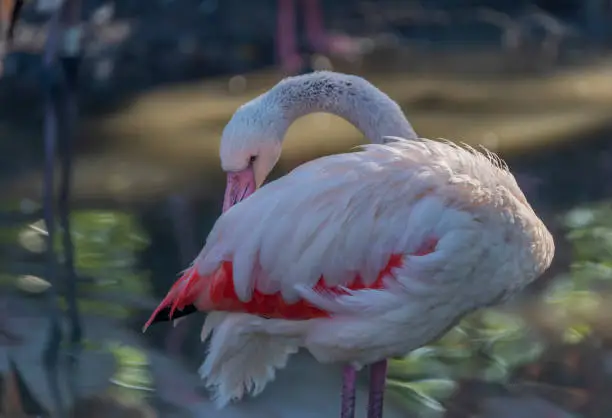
x=423, y=396
x=132, y=378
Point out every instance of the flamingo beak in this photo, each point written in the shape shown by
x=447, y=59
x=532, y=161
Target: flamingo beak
x=240, y=185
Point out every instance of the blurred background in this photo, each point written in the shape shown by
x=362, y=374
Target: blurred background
x=138, y=185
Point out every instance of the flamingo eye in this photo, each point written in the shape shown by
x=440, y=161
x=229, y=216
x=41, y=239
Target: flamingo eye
x=252, y=159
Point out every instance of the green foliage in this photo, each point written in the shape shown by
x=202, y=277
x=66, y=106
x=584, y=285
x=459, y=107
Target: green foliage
x=590, y=232
x=106, y=246
x=422, y=395
x=487, y=344
x=132, y=379
x=9, y=234
x=579, y=299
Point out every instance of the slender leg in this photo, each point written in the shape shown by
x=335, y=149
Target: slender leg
x=70, y=62
x=15, y=13
x=314, y=25
x=50, y=83
x=378, y=376
x=349, y=378
x=286, y=46
x=323, y=42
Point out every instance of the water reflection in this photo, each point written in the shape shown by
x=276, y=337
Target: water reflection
x=553, y=348
x=490, y=346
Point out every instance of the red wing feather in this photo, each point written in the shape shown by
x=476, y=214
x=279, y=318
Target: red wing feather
x=217, y=292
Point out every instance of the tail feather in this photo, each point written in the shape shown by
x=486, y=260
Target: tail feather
x=182, y=296
x=240, y=359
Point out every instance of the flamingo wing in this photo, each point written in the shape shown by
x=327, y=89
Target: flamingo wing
x=415, y=215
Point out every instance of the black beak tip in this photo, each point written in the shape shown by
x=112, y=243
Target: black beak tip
x=164, y=314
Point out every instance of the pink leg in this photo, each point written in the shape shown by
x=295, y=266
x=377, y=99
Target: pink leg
x=349, y=378
x=286, y=48
x=323, y=42
x=378, y=377
x=314, y=25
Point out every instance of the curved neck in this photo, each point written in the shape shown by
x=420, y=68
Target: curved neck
x=350, y=97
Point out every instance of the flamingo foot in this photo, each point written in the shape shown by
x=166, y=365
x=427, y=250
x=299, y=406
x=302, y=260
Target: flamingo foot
x=349, y=379
x=378, y=376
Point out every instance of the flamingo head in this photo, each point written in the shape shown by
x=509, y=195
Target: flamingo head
x=250, y=148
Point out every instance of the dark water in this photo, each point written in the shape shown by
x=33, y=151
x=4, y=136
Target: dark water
x=137, y=220
x=546, y=357
x=126, y=259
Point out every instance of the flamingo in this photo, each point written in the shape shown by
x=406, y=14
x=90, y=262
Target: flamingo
x=356, y=257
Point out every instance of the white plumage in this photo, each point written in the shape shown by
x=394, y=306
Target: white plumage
x=353, y=212
x=463, y=229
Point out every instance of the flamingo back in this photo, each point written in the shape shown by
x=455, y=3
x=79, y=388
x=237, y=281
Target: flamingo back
x=456, y=218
